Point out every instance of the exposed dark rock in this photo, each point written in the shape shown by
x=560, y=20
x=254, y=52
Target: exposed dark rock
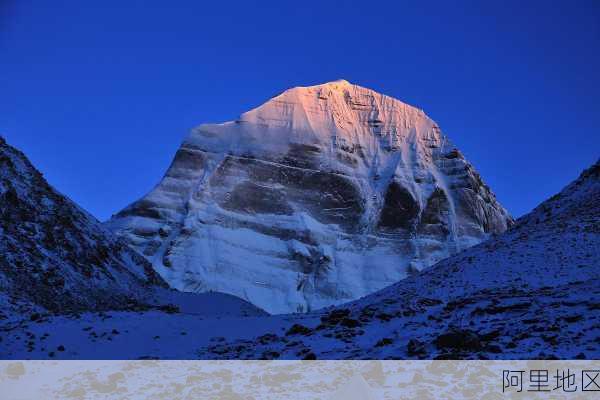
x=434, y=218
x=350, y=323
x=298, y=329
x=251, y=198
x=400, y=208
x=384, y=342
x=462, y=340
x=572, y=318
x=493, y=348
x=267, y=338
x=415, y=348
x=270, y=355
x=453, y=154
x=335, y=316
x=501, y=309
x=384, y=316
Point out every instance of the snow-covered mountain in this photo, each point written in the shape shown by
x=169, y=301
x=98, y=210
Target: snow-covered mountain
x=57, y=256
x=530, y=293
x=320, y=196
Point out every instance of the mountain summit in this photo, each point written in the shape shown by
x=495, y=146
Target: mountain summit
x=319, y=196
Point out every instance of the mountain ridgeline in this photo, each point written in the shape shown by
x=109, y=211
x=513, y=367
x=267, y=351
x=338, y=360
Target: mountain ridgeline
x=57, y=256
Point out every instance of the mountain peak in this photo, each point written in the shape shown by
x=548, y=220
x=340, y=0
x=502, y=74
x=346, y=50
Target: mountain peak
x=338, y=82
x=337, y=109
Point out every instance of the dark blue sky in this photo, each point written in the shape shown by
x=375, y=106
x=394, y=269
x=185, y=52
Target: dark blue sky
x=100, y=94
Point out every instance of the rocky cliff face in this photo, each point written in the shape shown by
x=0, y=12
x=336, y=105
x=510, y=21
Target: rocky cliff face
x=319, y=196
x=57, y=256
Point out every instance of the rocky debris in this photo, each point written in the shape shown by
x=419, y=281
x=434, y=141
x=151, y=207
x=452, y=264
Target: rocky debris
x=270, y=355
x=268, y=338
x=333, y=318
x=459, y=340
x=298, y=329
x=416, y=348
x=384, y=342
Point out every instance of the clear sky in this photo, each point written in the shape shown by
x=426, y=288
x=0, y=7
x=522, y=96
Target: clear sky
x=100, y=94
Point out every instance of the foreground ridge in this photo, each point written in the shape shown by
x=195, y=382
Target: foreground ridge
x=56, y=255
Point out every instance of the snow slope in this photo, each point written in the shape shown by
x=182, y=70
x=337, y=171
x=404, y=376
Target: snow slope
x=320, y=196
x=529, y=293
x=154, y=333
